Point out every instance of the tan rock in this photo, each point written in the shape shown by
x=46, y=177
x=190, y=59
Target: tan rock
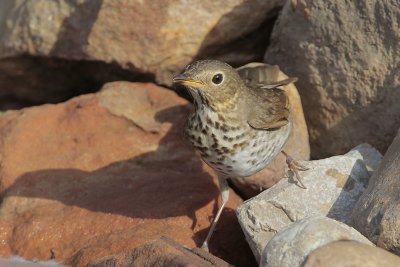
x=157, y=37
x=103, y=174
x=350, y=253
x=297, y=146
x=377, y=213
x=346, y=58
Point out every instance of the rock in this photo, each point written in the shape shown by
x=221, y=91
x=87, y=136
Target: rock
x=291, y=246
x=297, y=146
x=345, y=57
x=102, y=30
x=162, y=252
x=377, y=213
x=20, y=262
x=350, y=253
x=333, y=187
x=105, y=173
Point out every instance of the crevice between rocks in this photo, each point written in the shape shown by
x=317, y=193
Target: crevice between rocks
x=30, y=80
x=27, y=80
x=244, y=49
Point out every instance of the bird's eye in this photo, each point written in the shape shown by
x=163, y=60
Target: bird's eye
x=217, y=79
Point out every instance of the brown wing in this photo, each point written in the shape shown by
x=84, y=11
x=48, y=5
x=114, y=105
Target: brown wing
x=254, y=74
x=270, y=110
x=269, y=104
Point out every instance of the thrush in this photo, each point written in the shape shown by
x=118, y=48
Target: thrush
x=240, y=122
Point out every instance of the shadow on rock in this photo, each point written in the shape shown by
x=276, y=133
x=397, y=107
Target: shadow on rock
x=228, y=241
x=352, y=188
x=167, y=182
x=76, y=28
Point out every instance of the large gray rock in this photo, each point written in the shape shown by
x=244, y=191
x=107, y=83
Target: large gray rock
x=346, y=55
x=377, y=213
x=350, y=254
x=290, y=247
x=156, y=37
x=333, y=187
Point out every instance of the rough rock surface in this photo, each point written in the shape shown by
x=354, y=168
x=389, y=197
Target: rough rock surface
x=346, y=56
x=377, y=213
x=333, y=188
x=20, y=262
x=291, y=246
x=297, y=146
x=163, y=252
x=105, y=173
x=350, y=253
x=157, y=37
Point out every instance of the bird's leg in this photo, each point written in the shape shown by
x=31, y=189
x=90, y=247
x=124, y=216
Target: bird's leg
x=295, y=167
x=224, y=188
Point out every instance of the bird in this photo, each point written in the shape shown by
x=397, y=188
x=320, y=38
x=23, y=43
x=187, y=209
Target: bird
x=240, y=122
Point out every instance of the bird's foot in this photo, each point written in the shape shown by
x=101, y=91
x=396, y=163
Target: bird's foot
x=295, y=167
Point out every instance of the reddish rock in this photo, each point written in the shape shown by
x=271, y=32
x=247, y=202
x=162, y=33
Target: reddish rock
x=162, y=252
x=103, y=174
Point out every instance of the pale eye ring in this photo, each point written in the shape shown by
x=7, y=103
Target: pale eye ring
x=218, y=78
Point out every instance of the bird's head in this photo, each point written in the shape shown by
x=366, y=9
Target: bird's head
x=210, y=82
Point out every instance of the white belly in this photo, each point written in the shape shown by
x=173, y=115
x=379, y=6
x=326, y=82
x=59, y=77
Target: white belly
x=255, y=156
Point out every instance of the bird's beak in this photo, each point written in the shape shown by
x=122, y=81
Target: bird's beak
x=185, y=80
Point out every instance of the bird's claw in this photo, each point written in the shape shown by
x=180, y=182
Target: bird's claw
x=299, y=167
x=295, y=167
x=295, y=170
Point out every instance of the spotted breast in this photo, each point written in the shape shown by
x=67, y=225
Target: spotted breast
x=231, y=148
